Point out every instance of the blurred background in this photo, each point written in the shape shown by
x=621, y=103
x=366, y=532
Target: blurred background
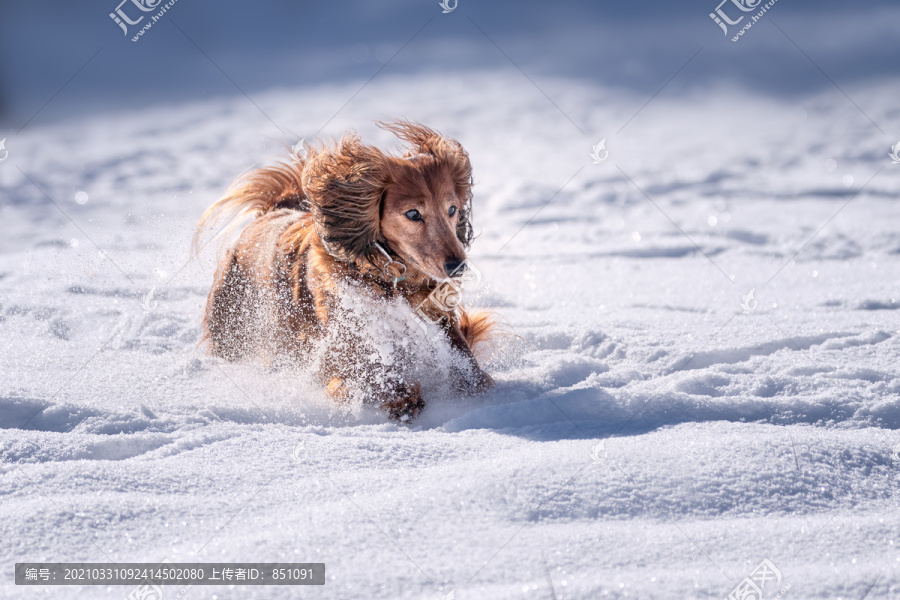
x=202, y=48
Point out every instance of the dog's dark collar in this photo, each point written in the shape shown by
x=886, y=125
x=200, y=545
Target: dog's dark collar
x=393, y=270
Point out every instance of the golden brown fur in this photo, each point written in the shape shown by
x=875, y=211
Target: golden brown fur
x=318, y=224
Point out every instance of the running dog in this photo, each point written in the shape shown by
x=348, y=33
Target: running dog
x=338, y=215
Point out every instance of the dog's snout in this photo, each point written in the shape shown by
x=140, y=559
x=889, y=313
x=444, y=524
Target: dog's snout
x=454, y=268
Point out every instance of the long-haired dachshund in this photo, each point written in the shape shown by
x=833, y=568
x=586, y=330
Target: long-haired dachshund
x=341, y=220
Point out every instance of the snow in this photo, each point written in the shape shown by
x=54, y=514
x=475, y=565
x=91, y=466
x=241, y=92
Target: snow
x=729, y=435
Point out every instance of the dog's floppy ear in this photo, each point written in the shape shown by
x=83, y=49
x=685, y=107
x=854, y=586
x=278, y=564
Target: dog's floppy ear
x=448, y=154
x=345, y=185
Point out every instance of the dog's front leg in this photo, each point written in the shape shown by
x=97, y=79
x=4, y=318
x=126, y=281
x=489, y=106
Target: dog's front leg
x=347, y=368
x=478, y=380
x=402, y=402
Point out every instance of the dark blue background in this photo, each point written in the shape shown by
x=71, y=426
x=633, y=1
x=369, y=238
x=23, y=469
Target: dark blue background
x=280, y=43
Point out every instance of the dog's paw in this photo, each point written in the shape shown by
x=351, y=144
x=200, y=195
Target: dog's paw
x=473, y=382
x=406, y=405
x=483, y=382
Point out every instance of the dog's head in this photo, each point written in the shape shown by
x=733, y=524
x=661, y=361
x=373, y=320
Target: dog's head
x=418, y=206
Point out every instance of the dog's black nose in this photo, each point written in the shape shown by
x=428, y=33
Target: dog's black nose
x=454, y=268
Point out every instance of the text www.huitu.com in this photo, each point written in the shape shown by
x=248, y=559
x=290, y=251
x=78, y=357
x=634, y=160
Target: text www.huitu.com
x=153, y=20
x=753, y=20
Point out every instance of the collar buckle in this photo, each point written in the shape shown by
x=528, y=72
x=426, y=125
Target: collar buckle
x=390, y=261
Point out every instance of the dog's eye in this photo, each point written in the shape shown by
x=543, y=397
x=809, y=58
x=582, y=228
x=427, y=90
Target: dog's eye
x=413, y=215
x=452, y=211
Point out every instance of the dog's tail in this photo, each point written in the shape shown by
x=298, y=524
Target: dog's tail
x=255, y=193
x=478, y=328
